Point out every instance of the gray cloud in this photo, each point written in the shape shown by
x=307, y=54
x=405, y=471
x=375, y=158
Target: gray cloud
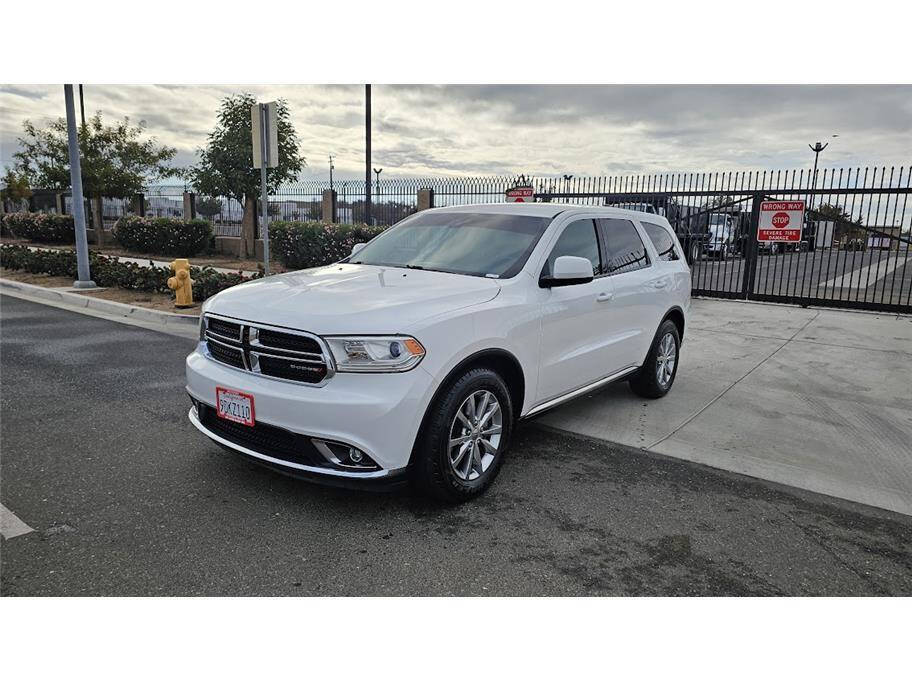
x=486, y=129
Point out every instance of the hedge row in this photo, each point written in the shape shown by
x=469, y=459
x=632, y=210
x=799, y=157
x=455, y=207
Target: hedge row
x=47, y=228
x=109, y=271
x=165, y=236
x=301, y=245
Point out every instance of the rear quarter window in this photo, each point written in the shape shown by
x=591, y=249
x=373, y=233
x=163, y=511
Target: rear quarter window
x=662, y=241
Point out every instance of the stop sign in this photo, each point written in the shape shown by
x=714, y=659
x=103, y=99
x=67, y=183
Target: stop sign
x=781, y=220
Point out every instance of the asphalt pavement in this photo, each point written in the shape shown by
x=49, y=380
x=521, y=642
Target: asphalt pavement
x=126, y=498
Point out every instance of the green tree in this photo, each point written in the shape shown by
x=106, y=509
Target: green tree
x=115, y=159
x=16, y=187
x=845, y=226
x=225, y=165
x=209, y=207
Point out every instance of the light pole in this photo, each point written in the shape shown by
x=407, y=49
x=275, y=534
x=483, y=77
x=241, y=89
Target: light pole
x=378, y=171
x=331, y=167
x=82, y=246
x=82, y=109
x=817, y=148
x=367, y=155
x=567, y=179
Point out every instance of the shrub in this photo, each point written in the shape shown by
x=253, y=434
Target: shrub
x=48, y=228
x=109, y=271
x=166, y=236
x=301, y=245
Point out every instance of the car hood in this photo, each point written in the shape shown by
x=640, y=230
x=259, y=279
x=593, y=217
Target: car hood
x=351, y=299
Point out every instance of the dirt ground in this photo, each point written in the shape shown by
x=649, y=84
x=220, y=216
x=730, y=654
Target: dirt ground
x=143, y=299
x=216, y=260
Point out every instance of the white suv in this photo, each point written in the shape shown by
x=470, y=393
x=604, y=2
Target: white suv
x=414, y=358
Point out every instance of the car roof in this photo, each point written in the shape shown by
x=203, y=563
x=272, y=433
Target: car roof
x=544, y=210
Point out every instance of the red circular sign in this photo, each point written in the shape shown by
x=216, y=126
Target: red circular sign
x=781, y=220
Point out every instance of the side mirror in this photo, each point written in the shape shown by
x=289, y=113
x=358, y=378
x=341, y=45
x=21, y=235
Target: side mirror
x=357, y=247
x=569, y=270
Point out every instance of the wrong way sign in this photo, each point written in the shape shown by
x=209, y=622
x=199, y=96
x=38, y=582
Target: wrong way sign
x=521, y=194
x=780, y=221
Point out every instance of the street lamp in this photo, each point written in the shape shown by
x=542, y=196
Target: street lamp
x=567, y=179
x=331, y=167
x=378, y=171
x=817, y=148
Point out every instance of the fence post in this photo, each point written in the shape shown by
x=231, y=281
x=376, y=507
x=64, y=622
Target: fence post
x=139, y=204
x=189, y=205
x=60, y=202
x=329, y=205
x=752, y=248
x=425, y=199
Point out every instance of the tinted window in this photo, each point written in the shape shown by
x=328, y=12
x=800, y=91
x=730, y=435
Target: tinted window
x=481, y=244
x=578, y=239
x=624, y=246
x=662, y=241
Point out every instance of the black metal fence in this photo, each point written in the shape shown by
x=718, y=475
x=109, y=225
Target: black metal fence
x=855, y=251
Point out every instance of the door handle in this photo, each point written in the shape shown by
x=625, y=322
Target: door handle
x=604, y=297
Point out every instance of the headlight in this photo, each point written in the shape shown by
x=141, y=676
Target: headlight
x=375, y=353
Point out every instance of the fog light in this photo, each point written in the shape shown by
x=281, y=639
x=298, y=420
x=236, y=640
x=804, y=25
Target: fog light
x=355, y=455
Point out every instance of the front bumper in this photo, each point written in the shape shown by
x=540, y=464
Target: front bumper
x=379, y=414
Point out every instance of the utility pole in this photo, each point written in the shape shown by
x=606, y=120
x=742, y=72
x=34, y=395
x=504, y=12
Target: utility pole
x=331, y=167
x=367, y=162
x=82, y=109
x=82, y=245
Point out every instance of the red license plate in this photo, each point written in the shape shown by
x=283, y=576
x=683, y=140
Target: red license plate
x=234, y=405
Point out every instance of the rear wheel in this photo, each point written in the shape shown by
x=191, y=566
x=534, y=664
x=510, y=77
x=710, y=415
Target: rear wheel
x=655, y=378
x=468, y=429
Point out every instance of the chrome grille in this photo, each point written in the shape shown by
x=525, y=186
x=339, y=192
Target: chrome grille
x=261, y=349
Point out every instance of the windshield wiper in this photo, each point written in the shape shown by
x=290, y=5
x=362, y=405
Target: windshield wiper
x=413, y=267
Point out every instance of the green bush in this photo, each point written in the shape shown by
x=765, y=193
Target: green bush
x=301, y=245
x=48, y=228
x=165, y=236
x=109, y=271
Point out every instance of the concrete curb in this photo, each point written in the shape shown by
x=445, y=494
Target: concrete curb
x=100, y=305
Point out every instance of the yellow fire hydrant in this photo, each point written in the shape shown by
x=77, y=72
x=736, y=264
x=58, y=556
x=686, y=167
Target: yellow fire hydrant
x=181, y=283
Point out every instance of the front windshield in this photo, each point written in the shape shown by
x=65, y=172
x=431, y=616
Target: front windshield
x=480, y=244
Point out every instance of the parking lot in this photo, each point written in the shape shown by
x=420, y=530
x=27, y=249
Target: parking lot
x=125, y=498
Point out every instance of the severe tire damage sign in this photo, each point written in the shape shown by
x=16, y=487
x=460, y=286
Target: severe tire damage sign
x=780, y=221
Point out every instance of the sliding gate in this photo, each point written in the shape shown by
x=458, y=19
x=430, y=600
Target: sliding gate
x=855, y=250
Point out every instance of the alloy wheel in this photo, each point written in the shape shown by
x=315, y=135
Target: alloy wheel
x=666, y=359
x=475, y=435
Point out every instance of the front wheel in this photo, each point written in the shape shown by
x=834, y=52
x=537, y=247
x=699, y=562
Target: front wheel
x=655, y=377
x=466, y=434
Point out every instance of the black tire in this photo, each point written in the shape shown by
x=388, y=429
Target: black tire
x=645, y=382
x=432, y=471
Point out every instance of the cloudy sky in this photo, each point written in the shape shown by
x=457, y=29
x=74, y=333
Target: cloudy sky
x=541, y=130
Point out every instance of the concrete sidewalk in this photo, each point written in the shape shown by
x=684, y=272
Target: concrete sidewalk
x=818, y=399
x=147, y=261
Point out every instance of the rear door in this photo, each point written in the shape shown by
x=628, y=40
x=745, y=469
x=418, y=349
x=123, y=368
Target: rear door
x=635, y=283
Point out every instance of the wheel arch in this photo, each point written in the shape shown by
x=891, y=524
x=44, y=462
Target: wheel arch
x=498, y=359
x=676, y=315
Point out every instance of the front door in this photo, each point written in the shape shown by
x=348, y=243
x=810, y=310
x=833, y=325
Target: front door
x=574, y=318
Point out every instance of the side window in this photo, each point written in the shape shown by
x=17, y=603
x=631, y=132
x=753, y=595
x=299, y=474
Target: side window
x=579, y=238
x=625, y=249
x=661, y=240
